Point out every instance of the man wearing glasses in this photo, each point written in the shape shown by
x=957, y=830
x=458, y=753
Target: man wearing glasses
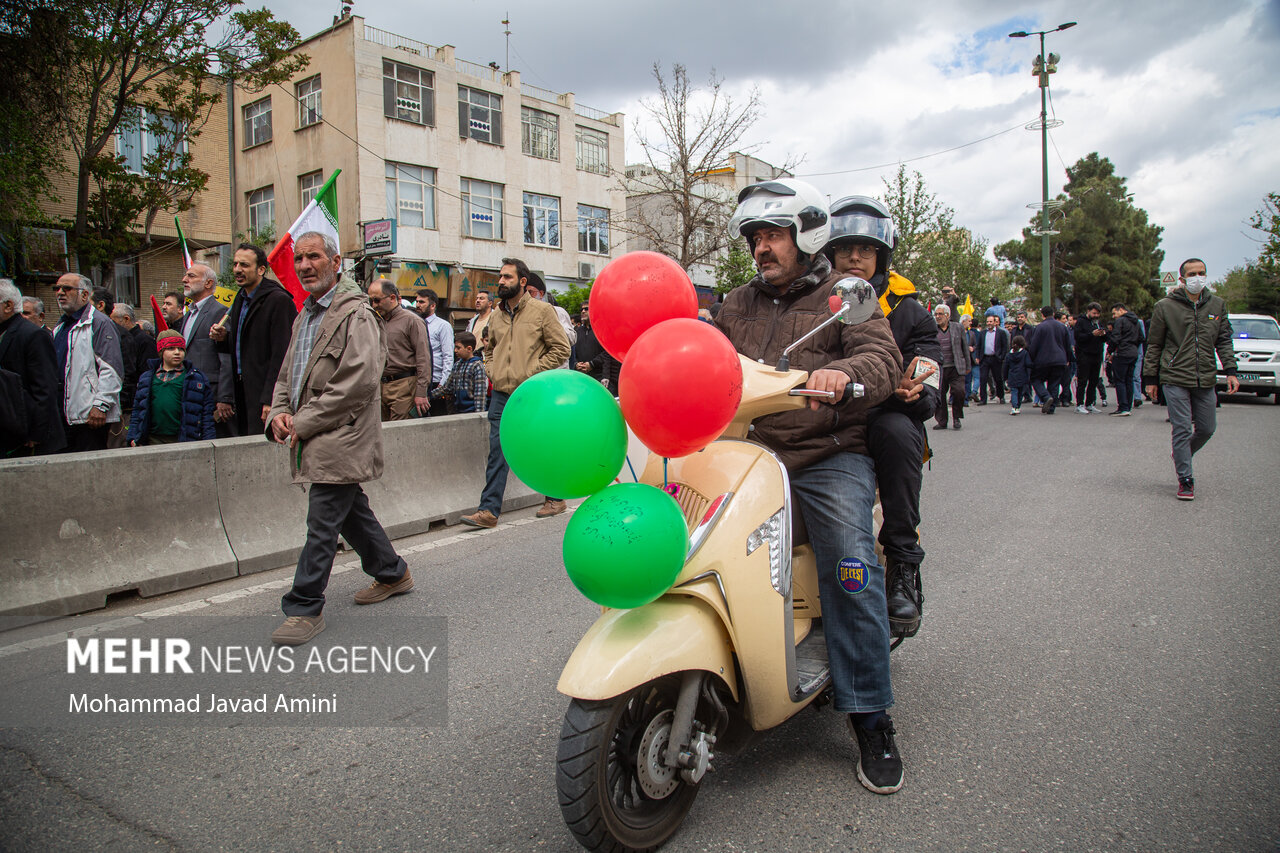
x=406, y=379
x=87, y=345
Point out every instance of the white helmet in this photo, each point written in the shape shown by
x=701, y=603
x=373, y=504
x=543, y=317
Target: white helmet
x=782, y=203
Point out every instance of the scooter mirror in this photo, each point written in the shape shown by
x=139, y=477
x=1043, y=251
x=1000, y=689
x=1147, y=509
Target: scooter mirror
x=859, y=297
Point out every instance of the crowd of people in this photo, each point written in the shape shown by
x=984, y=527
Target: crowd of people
x=104, y=378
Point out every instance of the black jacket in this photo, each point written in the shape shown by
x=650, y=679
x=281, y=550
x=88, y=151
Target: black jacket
x=1125, y=337
x=1088, y=344
x=1002, y=344
x=136, y=349
x=268, y=326
x=27, y=350
x=603, y=365
x=916, y=334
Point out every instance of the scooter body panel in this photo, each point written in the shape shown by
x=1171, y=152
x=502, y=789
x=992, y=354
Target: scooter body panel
x=627, y=648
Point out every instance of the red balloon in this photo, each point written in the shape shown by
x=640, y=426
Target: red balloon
x=680, y=386
x=634, y=293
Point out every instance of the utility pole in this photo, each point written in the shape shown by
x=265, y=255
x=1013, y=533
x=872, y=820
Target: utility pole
x=1041, y=68
x=506, y=22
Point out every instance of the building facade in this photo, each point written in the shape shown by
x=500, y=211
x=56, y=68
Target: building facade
x=463, y=163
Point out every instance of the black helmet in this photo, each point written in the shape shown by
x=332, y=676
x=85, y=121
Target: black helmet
x=862, y=218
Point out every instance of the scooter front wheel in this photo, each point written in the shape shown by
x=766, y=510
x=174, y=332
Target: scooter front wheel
x=615, y=792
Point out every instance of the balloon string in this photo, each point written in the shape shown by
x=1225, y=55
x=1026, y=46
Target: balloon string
x=665, y=460
x=633, y=469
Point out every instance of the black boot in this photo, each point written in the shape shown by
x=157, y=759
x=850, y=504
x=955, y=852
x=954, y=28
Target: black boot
x=904, y=598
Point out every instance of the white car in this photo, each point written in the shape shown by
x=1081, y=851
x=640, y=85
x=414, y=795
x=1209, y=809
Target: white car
x=1256, y=338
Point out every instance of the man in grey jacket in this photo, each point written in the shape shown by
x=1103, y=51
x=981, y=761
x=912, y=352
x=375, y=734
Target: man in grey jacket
x=326, y=408
x=87, y=345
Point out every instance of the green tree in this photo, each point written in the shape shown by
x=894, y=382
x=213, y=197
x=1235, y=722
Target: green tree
x=932, y=250
x=1266, y=221
x=1106, y=252
x=735, y=269
x=571, y=301
x=153, y=67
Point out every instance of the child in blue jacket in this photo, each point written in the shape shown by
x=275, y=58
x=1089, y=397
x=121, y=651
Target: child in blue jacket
x=174, y=400
x=1017, y=372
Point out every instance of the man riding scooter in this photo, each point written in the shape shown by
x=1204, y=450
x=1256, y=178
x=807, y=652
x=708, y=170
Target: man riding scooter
x=824, y=447
x=862, y=242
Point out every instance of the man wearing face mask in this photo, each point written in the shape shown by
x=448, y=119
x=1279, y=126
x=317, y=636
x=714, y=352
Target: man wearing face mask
x=1187, y=327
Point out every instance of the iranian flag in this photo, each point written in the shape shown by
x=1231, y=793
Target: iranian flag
x=182, y=241
x=321, y=216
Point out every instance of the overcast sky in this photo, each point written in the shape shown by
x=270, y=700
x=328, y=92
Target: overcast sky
x=1183, y=95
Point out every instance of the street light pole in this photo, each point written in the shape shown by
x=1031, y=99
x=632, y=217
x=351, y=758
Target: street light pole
x=1042, y=68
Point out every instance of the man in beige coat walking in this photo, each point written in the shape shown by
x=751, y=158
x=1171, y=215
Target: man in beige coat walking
x=326, y=408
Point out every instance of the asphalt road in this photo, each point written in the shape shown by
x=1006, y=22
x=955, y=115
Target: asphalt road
x=1098, y=670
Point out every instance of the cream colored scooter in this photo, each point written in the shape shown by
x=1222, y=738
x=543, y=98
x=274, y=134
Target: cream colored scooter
x=734, y=647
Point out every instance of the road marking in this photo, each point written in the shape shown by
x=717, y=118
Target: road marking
x=235, y=595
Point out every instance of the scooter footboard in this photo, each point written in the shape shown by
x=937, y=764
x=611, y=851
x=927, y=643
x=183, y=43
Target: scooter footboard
x=627, y=648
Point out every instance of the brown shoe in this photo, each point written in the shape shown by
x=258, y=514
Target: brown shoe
x=297, y=630
x=376, y=591
x=482, y=518
x=550, y=507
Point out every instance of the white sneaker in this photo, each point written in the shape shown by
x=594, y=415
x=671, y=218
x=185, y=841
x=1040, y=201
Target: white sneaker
x=1095, y=410
x=1013, y=411
x=1082, y=410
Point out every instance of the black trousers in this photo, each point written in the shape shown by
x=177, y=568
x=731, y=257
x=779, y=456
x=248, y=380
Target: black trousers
x=896, y=443
x=1087, y=379
x=992, y=376
x=333, y=509
x=82, y=438
x=1047, y=381
x=952, y=386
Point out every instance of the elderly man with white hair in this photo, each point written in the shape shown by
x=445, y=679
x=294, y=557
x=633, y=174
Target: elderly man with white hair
x=204, y=311
x=26, y=352
x=87, y=346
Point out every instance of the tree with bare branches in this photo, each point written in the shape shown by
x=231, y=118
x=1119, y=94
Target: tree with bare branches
x=676, y=206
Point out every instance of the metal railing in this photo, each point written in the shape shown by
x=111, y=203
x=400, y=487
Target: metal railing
x=475, y=69
x=399, y=42
x=591, y=113
x=539, y=93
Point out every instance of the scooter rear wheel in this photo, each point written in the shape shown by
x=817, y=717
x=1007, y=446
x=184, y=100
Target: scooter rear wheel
x=604, y=769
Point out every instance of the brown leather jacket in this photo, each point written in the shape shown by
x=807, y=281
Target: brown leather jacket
x=761, y=326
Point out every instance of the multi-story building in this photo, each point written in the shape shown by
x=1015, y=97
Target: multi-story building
x=649, y=209
x=157, y=267
x=463, y=163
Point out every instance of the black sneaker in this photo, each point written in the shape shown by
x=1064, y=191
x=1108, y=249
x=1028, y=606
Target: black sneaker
x=879, y=765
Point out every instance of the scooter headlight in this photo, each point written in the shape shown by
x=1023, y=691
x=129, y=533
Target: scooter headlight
x=776, y=532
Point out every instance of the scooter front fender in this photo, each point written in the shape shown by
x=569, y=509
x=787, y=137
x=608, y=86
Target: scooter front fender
x=627, y=648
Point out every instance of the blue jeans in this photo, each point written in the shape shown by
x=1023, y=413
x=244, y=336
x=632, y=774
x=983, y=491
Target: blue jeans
x=975, y=379
x=1137, y=375
x=835, y=497
x=495, y=472
x=1194, y=418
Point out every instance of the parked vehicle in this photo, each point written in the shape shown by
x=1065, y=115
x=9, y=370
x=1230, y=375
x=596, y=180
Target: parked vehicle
x=733, y=648
x=1256, y=339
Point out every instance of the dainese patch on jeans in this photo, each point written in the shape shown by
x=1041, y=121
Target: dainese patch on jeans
x=853, y=575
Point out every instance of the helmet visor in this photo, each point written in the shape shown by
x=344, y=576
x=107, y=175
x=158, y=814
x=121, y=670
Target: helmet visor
x=762, y=208
x=847, y=226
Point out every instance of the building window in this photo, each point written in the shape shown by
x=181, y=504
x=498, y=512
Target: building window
x=126, y=280
x=479, y=115
x=262, y=210
x=144, y=134
x=593, y=229
x=310, y=185
x=408, y=93
x=542, y=220
x=481, y=209
x=411, y=195
x=257, y=123
x=539, y=134
x=593, y=150
x=309, y=102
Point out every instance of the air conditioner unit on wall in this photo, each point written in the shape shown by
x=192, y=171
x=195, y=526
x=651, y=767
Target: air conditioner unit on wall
x=585, y=270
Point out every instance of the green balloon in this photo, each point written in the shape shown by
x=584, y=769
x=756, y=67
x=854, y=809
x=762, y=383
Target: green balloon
x=625, y=546
x=563, y=434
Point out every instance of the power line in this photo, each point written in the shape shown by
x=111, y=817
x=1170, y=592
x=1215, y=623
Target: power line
x=912, y=159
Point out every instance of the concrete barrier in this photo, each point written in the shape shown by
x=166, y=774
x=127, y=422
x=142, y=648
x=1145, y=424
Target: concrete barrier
x=77, y=528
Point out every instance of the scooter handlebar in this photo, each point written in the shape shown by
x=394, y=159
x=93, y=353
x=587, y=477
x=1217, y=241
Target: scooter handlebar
x=853, y=389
